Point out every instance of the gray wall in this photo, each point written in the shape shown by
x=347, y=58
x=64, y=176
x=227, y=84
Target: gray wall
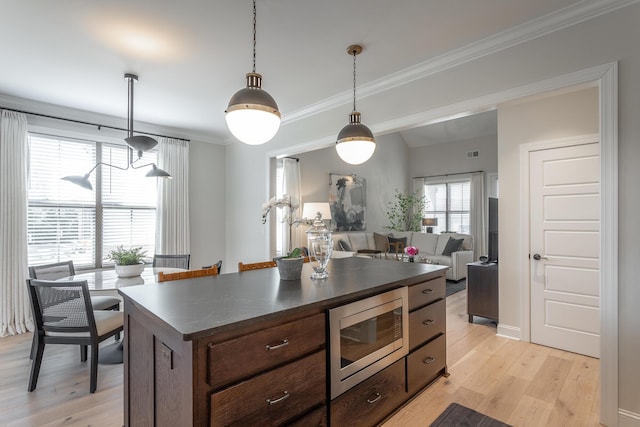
x=451, y=157
x=207, y=210
x=384, y=172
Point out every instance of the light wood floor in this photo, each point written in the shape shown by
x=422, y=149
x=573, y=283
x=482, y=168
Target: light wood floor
x=518, y=383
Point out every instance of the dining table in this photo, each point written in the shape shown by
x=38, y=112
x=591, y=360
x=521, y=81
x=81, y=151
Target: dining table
x=107, y=282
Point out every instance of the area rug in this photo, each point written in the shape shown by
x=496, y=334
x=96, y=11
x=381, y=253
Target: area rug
x=453, y=287
x=460, y=416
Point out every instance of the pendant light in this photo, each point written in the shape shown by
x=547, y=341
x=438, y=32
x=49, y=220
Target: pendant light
x=355, y=144
x=252, y=114
x=139, y=143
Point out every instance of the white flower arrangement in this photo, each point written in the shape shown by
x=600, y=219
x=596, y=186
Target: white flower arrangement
x=286, y=201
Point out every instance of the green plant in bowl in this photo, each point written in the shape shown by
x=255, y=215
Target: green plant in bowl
x=131, y=256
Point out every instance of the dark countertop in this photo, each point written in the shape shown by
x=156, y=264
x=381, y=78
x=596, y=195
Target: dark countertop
x=201, y=306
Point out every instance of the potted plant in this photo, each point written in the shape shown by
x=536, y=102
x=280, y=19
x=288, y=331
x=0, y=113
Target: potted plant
x=290, y=266
x=129, y=262
x=405, y=212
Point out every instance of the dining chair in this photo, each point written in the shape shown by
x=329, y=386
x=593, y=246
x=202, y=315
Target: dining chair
x=172, y=261
x=63, y=314
x=58, y=270
x=256, y=265
x=265, y=264
x=217, y=264
x=163, y=277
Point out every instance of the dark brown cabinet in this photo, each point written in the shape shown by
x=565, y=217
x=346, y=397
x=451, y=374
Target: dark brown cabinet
x=482, y=290
x=250, y=349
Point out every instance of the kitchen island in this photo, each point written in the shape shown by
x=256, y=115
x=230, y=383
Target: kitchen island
x=248, y=348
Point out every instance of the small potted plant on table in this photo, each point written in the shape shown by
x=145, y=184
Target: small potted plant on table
x=128, y=262
x=290, y=266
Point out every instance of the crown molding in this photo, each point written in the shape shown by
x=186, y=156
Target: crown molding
x=54, y=110
x=546, y=24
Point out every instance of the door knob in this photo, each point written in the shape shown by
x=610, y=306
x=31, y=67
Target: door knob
x=537, y=257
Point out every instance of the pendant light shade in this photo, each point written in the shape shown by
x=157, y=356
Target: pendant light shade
x=355, y=144
x=252, y=115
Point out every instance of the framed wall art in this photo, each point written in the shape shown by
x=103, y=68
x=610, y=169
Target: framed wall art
x=347, y=198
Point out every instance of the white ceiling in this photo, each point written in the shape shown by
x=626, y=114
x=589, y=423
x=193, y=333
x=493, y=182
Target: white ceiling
x=191, y=56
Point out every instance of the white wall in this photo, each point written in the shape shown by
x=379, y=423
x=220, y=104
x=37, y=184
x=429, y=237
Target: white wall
x=451, y=157
x=384, y=172
x=605, y=39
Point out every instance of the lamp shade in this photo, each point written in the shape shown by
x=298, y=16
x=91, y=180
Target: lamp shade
x=430, y=222
x=310, y=210
x=252, y=115
x=157, y=172
x=355, y=144
x=141, y=142
x=82, y=181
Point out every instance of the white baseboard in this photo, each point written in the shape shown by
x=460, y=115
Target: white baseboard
x=628, y=418
x=508, y=331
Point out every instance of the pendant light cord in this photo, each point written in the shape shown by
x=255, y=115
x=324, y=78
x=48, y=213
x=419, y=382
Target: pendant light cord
x=354, y=81
x=254, y=36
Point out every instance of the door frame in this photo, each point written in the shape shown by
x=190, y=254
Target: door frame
x=607, y=82
x=525, y=150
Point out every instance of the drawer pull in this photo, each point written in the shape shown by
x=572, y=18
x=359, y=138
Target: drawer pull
x=429, y=360
x=428, y=322
x=375, y=398
x=279, y=399
x=427, y=291
x=276, y=346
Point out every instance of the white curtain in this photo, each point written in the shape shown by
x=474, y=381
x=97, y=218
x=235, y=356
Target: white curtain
x=477, y=224
x=172, y=214
x=15, y=308
x=292, y=185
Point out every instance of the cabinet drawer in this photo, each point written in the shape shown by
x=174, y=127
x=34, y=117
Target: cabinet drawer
x=372, y=400
x=251, y=354
x=274, y=397
x=315, y=418
x=426, y=323
x=424, y=364
x=427, y=292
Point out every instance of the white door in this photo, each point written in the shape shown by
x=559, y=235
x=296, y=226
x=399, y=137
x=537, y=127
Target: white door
x=564, y=191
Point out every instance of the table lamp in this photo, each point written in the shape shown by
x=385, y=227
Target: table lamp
x=429, y=223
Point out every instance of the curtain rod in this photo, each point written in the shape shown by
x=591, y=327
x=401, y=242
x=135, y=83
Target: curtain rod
x=292, y=158
x=447, y=174
x=99, y=126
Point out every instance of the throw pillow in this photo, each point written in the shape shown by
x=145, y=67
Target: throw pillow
x=452, y=246
x=344, y=245
x=399, y=248
x=381, y=241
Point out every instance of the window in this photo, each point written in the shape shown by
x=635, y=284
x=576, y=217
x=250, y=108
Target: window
x=449, y=202
x=67, y=222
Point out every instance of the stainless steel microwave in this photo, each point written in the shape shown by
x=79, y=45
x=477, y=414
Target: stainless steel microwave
x=366, y=336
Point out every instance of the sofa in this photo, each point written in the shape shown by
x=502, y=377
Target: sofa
x=430, y=246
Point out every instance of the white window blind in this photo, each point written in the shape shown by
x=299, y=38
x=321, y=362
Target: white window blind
x=450, y=203
x=67, y=222
x=128, y=202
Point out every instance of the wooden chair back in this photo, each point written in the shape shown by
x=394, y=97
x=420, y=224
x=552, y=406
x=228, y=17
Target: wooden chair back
x=265, y=264
x=163, y=277
x=256, y=265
